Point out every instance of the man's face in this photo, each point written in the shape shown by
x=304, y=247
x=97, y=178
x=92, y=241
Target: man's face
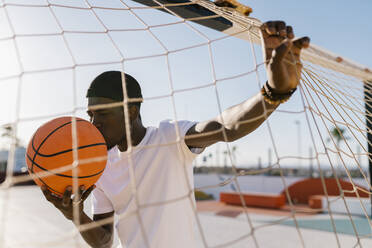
x=110, y=121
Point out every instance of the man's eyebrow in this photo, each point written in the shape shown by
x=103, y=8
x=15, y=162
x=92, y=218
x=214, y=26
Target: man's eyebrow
x=97, y=110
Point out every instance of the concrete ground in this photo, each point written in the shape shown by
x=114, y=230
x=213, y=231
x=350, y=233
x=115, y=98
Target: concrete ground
x=28, y=221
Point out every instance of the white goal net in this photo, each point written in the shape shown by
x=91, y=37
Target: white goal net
x=193, y=59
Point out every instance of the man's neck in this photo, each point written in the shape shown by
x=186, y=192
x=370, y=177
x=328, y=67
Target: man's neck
x=138, y=133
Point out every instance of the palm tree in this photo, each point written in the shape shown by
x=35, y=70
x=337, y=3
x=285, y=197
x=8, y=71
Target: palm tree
x=207, y=157
x=233, y=153
x=338, y=134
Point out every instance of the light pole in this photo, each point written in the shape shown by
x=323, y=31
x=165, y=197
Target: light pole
x=259, y=166
x=269, y=155
x=298, y=123
x=358, y=156
x=218, y=155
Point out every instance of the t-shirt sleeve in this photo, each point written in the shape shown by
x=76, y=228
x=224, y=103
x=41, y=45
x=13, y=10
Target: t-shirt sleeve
x=173, y=129
x=100, y=203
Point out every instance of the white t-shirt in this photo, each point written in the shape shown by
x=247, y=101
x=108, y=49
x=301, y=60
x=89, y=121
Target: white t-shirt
x=163, y=178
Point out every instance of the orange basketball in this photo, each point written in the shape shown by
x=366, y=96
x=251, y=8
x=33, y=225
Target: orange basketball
x=50, y=154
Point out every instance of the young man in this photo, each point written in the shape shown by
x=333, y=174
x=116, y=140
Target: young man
x=148, y=176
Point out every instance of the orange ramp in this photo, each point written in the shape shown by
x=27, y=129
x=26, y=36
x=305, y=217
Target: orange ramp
x=264, y=200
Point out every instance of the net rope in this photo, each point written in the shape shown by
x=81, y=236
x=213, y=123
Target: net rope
x=329, y=99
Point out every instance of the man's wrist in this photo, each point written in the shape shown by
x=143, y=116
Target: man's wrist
x=274, y=97
x=81, y=217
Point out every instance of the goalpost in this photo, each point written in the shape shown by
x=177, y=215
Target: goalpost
x=53, y=49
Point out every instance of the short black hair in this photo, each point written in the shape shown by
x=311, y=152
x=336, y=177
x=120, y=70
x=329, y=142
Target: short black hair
x=109, y=84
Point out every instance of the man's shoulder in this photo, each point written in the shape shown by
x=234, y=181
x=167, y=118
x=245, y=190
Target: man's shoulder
x=173, y=125
x=174, y=130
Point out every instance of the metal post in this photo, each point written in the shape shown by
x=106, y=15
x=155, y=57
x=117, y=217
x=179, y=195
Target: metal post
x=269, y=157
x=218, y=155
x=311, y=168
x=368, y=113
x=259, y=166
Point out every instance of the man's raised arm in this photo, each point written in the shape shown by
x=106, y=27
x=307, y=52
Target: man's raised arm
x=283, y=67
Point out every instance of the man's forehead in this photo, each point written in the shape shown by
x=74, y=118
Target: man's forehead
x=95, y=103
x=99, y=100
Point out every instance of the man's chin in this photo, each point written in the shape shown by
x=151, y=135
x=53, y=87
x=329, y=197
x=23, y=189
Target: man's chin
x=109, y=146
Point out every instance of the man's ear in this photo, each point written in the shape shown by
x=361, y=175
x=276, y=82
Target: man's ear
x=133, y=112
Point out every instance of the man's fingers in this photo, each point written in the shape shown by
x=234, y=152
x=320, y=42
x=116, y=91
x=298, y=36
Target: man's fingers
x=303, y=42
x=48, y=195
x=274, y=28
x=67, y=196
x=277, y=28
x=46, y=192
x=290, y=33
x=281, y=28
x=77, y=194
x=87, y=192
x=80, y=191
x=282, y=50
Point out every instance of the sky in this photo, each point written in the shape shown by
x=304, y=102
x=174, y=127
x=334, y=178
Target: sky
x=342, y=27
x=339, y=26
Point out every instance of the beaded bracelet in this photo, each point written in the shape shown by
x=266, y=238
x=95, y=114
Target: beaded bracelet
x=275, y=98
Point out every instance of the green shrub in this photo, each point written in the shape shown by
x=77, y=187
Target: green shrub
x=202, y=196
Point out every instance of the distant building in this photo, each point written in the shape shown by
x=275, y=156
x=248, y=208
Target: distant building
x=20, y=162
x=20, y=167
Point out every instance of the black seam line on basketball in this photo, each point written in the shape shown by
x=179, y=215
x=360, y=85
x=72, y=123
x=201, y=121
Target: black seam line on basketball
x=55, y=130
x=32, y=164
x=50, y=188
x=69, y=150
x=32, y=161
x=62, y=175
x=37, y=150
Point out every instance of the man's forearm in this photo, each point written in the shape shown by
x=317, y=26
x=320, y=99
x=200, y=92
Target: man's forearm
x=95, y=236
x=235, y=122
x=241, y=119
